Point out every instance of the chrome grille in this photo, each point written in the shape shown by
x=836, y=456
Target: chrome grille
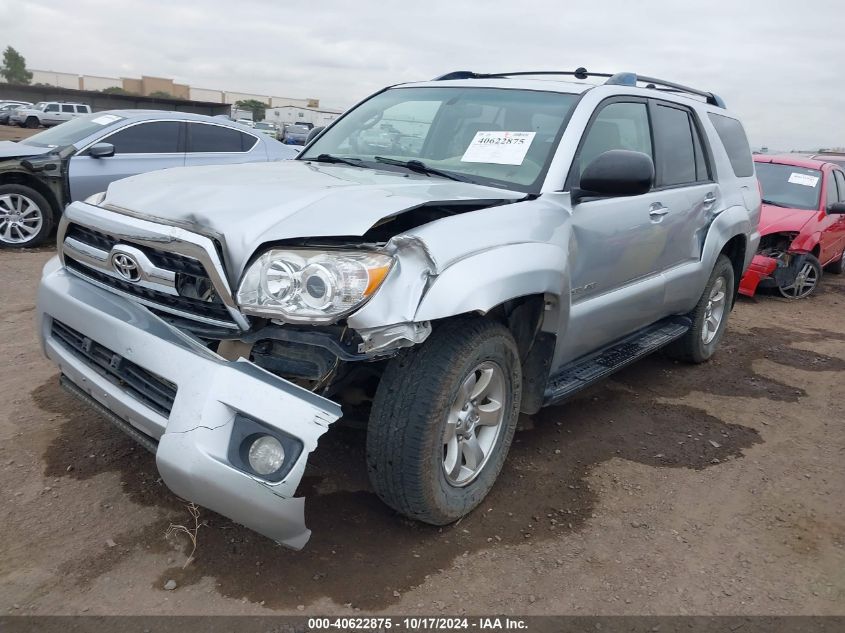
x=168, y=281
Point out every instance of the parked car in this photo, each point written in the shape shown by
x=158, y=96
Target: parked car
x=267, y=128
x=41, y=174
x=296, y=134
x=802, y=225
x=48, y=113
x=6, y=108
x=544, y=234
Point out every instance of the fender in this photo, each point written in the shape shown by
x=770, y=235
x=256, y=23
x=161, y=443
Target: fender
x=483, y=280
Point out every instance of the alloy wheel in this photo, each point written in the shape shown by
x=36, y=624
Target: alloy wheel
x=474, y=424
x=805, y=282
x=714, y=310
x=21, y=218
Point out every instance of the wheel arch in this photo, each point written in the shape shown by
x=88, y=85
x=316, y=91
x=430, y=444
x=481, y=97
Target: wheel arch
x=28, y=180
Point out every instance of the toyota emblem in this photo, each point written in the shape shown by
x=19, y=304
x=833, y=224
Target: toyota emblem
x=126, y=266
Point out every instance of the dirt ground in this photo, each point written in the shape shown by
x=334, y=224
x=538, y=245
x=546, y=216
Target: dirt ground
x=668, y=489
x=15, y=133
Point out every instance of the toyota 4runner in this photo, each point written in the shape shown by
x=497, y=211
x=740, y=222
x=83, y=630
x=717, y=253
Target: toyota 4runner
x=444, y=256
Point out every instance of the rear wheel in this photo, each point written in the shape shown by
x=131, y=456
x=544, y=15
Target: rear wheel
x=709, y=318
x=806, y=281
x=443, y=420
x=26, y=218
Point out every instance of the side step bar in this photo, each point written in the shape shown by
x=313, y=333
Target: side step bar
x=583, y=372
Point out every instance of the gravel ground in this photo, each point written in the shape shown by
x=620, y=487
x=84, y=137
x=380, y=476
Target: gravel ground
x=668, y=489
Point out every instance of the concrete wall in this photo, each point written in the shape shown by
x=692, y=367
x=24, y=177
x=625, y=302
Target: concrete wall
x=203, y=94
x=234, y=97
x=92, y=82
x=61, y=80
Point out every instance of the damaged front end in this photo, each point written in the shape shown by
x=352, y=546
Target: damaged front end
x=776, y=264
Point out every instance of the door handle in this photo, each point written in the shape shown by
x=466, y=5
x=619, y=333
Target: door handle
x=709, y=199
x=657, y=210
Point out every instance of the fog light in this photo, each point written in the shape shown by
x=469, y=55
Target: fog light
x=266, y=455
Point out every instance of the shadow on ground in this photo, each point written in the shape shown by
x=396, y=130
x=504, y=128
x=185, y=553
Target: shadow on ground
x=363, y=554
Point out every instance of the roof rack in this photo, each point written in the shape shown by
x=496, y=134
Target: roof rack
x=618, y=79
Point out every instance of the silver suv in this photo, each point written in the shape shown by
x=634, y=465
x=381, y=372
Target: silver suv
x=444, y=256
x=48, y=113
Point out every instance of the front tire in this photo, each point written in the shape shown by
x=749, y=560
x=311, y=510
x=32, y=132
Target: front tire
x=806, y=281
x=26, y=217
x=32, y=122
x=709, y=317
x=443, y=419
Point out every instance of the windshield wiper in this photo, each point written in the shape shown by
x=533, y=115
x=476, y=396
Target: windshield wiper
x=331, y=158
x=776, y=204
x=420, y=167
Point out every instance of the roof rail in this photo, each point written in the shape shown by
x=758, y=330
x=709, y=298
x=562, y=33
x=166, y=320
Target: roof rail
x=578, y=73
x=618, y=79
x=631, y=79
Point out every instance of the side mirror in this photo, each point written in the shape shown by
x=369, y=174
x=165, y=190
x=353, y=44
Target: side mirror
x=314, y=132
x=617, y=172
x=101, y=150
x=837, y=208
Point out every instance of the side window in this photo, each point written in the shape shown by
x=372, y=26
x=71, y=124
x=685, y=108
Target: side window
x=840, y=181
x=83, y=109
x=735, y=142
x=67, y=108
x=619, y=125
x=53, y=107
x=215, y=138
x=156, y=137
x=676, y=164
x=832, y=195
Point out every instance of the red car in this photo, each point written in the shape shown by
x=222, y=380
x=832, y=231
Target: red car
x=802, y=225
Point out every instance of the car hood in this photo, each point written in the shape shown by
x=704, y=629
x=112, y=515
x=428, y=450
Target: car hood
x=779, y=219
x=251, y=204
x=11, y=149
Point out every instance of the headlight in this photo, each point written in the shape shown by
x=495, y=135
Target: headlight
x=96, y=199
x=311, y=286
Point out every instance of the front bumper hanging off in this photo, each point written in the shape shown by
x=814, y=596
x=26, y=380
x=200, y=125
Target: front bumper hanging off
x=209, y=396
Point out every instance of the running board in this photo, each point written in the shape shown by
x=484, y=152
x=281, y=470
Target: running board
x=583, y=372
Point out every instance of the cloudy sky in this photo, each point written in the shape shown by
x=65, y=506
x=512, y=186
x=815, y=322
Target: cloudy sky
x=779, y=64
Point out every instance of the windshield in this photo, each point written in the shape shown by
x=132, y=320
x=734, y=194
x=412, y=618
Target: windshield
x=263, y=126
x=492, y=136
x=297, y=129
x=790, y=186
x=73, y=131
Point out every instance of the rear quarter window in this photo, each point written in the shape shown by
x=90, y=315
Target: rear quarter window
x=735, y=143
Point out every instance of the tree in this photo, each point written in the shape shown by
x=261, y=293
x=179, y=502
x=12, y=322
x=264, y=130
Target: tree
x=161, y=94
x=14, y=67
x=116, y=90
x=258, y=108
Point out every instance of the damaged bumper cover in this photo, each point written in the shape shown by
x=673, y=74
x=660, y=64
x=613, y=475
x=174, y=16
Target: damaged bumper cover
x=210, y=398
x=767, y=271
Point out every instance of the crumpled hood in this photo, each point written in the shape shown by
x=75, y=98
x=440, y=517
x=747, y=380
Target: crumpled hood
x=12, y=149
x=257, y=203
x=779, y=219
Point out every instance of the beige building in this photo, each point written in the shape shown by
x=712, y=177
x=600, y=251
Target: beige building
x=146, y=85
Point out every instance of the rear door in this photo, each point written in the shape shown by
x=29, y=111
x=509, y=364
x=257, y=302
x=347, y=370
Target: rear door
x=688, y=197
x=212, y=144
x=138, y=148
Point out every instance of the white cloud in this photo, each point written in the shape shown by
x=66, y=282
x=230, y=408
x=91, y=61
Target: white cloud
x=777, y=63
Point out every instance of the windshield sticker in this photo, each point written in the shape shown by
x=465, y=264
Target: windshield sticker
x=803, y=179
x=501, y=148
x=105, y=119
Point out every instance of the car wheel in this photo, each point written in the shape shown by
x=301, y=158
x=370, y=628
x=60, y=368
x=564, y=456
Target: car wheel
x=443, y=419
x=709, y=317
x=838, y=266
x=805, y=282
x=26, y=218
x=32, y=122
